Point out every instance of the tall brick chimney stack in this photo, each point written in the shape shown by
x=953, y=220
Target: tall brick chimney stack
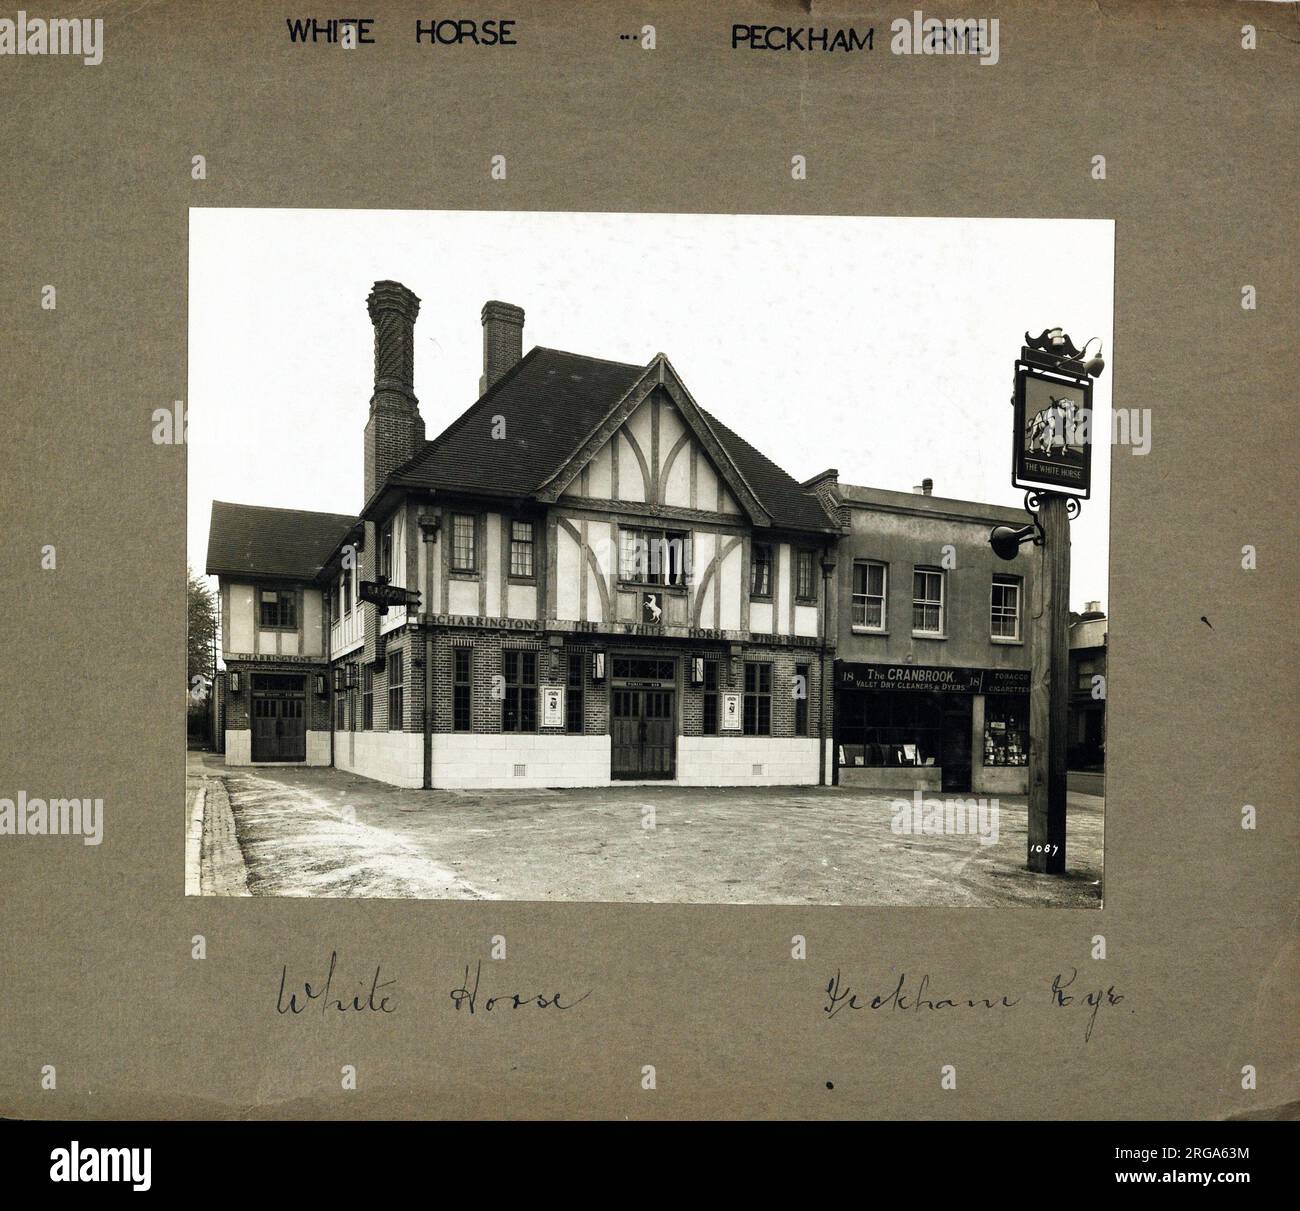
x=503, y=340
x=395, y=430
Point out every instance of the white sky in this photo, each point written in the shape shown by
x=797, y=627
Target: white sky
x=884, y=347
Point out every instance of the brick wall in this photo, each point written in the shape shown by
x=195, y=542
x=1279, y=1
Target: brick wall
x=731, y=679
x=790, y=757
x=394, y=434
x=238, y=709
x=486, y=709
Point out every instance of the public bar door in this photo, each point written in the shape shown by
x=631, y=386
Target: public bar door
x=279, y=718
x=643, y=733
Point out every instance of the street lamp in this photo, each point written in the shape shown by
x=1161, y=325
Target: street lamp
x=1006, y=541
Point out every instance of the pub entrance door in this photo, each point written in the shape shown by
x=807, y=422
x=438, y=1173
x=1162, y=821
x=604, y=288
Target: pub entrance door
x=279, y=717
x=955, y=743
x=644, y=734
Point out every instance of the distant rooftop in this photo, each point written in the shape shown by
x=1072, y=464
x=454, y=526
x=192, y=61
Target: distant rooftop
x=921, y=502
x=258, y=540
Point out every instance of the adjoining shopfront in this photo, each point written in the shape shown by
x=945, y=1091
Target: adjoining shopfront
x=930, y=727
x=932, y=671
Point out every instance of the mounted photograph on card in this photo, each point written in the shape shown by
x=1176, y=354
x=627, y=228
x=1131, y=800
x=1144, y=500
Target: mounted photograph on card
x=590, y=557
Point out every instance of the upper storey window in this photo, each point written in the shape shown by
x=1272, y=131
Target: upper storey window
x=464, y=544
x=654, y=556
x=278, y=609
x=760, y=571
x=927, y=601
x=521, y=549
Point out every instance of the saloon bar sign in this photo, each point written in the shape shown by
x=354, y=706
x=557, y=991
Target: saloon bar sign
x=383, y=595
x=1052, y=438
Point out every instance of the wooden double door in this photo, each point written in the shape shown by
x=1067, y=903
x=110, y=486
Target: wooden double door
x=644, y=734
x=279, y=718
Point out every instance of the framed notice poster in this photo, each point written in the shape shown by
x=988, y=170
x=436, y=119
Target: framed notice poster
x=1052, y=438
x=730, y=721
x=552, y=706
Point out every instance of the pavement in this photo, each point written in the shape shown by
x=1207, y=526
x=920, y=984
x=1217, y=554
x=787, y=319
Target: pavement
x=311, y=831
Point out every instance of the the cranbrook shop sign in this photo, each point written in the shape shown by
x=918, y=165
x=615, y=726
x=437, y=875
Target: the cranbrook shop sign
x=930, y=678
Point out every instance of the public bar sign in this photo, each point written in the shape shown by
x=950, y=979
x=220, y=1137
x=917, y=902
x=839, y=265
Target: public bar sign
x=1053, y=433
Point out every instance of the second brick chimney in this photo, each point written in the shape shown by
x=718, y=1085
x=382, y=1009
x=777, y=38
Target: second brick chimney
x=503, y=340
x=395, y=430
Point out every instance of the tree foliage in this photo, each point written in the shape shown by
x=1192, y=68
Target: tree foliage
x=202, y=627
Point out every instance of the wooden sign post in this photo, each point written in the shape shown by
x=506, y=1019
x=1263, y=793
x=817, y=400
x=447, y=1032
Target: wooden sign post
x=1049, y=692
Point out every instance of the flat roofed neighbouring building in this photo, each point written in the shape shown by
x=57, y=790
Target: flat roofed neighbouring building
x=932, y=670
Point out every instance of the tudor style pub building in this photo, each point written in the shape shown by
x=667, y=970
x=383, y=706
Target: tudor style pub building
x=612, y=586
x=607, y=584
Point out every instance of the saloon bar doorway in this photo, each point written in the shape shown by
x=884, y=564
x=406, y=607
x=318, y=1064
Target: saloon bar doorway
x=643, y=721
x=279, y=717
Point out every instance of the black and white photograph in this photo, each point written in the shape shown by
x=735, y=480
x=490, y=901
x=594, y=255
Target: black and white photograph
x=645, y=557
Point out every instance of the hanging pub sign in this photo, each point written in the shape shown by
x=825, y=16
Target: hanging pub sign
x=1052, y=439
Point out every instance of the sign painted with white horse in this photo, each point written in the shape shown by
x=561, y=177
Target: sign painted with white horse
x=1053, y=432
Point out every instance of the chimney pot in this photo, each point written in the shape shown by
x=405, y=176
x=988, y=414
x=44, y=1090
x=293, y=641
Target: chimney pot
x=503, y=340
x=927, y=486
x=393, y=309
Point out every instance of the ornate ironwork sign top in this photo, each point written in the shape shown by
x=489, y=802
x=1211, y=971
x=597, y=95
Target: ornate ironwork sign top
x=1054, y=341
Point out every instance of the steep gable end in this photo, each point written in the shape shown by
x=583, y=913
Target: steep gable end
x=654, y=423
x=655, y=457
x=515, y=435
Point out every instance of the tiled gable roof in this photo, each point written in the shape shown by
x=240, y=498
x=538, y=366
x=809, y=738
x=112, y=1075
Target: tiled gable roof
x=780, y=493
x=259, y=541
x=550, y=401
